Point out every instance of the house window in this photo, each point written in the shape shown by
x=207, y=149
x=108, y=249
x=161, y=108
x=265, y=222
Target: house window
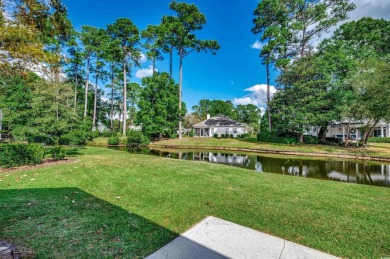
x=235, y=130
x=226, y=130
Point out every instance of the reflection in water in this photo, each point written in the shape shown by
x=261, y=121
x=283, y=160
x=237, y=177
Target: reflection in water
x=347, y=171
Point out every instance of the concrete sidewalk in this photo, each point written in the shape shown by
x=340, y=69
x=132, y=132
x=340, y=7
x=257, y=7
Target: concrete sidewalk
x=217, y=238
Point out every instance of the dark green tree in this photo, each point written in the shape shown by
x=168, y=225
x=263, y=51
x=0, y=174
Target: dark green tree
x=158, y=106
x=182, y=27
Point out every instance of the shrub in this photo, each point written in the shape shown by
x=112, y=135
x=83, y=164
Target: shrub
x=21, y=154
x=58, y=153
x=333, y=141
x=94, y=134
x=64, y=141
x=108, y=133
x=191, y=133
x=136, y=139
x=215, y=135
x=222, y=135
x=113, y=141
x=173, y=136
x=379, y=140
x=271, y=137
x=231, y=135
x=41, y=138
x=74, y=137
x=307, y=139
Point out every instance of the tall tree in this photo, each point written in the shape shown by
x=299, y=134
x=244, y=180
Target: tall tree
x=288, y=28
x=100, y=73
x=126, y=36
x=371, y=89
x=152, y=36
x=89, y=38
x=271, y=23
x=187, y=21
x=75, y=64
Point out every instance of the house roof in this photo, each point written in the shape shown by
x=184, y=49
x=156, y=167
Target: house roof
x=219, y=121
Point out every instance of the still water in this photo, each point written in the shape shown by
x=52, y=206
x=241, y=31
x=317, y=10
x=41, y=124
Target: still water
x=362, y=172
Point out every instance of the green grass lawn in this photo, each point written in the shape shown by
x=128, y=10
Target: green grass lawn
x=116, y=204
x=375, y=149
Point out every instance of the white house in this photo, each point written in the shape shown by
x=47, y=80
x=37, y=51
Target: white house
x=342, y=130
x=219, y=125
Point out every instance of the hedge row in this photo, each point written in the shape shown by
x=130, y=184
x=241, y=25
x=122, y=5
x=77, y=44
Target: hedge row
x=133, y=139
x=21, y=154
x=379, y=140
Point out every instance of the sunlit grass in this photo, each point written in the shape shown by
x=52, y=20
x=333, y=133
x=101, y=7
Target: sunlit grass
x=128, y=205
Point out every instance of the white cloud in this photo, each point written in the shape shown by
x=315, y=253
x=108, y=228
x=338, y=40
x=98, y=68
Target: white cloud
x=257, y=96
x=257, y=45
x=364, y=8
x=144, y=72
x=143, y=58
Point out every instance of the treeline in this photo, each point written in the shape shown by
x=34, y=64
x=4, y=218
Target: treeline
x=343, y=78
x=248, y=114
x=46, y=95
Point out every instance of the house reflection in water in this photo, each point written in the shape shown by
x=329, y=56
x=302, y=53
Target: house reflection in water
x=346, y=171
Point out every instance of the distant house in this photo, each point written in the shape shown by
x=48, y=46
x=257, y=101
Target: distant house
x=219, y=125
x=345, y=130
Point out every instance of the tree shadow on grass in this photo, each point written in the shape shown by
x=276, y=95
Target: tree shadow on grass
x=70, y=223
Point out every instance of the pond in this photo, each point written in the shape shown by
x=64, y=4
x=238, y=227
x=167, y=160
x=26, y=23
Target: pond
x=361, y=172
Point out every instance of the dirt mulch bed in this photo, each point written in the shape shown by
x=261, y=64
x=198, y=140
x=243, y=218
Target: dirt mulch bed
x=45, y=163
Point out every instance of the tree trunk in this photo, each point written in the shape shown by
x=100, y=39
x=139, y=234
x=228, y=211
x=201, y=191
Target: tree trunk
x=322, y=134
x=301, y=138
x=95, y=103
x=367, y=133
x=269, y=99
x=124, y=98
x=75, y=92
x=86, y=92
x=180, y=87
x=154, y=65
x=170, y=62
x=112, y=102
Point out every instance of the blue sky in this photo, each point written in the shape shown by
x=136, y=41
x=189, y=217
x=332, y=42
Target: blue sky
x=236, y=72
x=225, y=76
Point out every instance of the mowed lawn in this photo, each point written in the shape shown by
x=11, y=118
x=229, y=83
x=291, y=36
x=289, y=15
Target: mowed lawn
x=111, y=203
x=374, y=149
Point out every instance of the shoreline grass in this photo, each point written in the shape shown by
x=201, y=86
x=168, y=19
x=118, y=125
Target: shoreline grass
x=129, y=205
x=380, y=150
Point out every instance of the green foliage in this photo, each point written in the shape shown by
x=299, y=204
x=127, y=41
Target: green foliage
x=307, y=97
x=74, y=137
x=271, y=137
x=113, y=141
x=108, y=133
x=231, y=135
x=58, y=153
x=159, y=106
x=215, y=108
x=215, y=135
x=379, y=140
x=191, y=133
x=20, y=154
x=136, y=139
x=307, y=139
x=222, y=135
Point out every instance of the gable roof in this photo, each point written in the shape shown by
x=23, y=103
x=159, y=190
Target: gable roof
x=219, y=121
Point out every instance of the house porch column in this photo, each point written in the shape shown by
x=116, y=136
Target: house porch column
x=343, y=134
x=382, y=133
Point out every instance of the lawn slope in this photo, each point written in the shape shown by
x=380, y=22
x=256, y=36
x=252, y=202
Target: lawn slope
x=116, y=204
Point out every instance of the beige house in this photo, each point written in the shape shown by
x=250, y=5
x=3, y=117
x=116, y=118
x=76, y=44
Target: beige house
x=219, y=125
